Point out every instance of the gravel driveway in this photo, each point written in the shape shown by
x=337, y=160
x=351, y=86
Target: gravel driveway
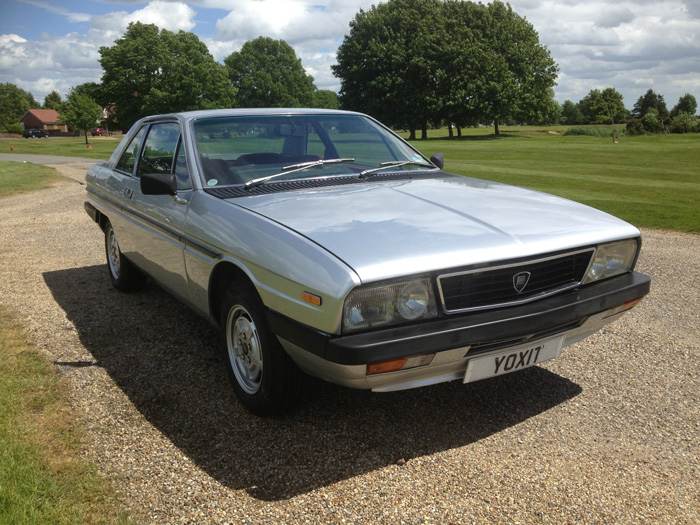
x=608, y=433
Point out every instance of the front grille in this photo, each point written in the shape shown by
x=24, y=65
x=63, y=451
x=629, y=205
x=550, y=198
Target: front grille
x=496, y=286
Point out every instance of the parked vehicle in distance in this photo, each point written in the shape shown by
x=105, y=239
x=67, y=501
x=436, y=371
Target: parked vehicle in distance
x=319, y=242
x=98, y=132
x=35, y=133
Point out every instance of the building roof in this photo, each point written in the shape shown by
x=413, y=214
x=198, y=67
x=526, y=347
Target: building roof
x=47, y=116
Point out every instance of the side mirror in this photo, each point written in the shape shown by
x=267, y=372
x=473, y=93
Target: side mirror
x=438, y=159
x=158, y=184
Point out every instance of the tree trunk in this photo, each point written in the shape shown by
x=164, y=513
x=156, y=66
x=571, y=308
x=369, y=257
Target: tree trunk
x=424, y=132
x=495, y=125
x=412, y=136
x=86, y=139
x=459, y=131
x=449, y=128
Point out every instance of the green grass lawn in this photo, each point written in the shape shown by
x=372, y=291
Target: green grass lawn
x=650, y=181
x=102, y=147
x=18, y=177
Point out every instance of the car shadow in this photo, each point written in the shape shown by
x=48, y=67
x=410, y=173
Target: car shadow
x=166, y=360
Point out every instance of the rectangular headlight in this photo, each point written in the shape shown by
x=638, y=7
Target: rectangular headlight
x=612, y=259
x=379, y=306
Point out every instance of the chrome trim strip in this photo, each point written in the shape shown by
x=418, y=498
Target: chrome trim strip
x=187, y=241
x=513, y=265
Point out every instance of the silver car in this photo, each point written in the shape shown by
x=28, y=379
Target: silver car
x=319, y=242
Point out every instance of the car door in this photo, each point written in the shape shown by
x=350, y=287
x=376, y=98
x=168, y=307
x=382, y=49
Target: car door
x=153, y=240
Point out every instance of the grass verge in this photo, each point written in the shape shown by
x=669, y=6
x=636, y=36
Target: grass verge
x=651, y=181
x=41, y=481
x=19, y=177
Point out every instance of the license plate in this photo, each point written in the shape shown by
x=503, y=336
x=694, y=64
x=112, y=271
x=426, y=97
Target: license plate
x=513, y=359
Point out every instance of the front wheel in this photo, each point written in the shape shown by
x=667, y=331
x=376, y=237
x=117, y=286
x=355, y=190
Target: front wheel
x=264, y=377
x=124, y=275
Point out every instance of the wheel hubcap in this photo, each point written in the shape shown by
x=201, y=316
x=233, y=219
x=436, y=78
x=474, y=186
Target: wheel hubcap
x=113, y=254
x=244, y=349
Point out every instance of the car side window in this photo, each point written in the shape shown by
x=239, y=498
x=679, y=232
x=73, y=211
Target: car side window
x=127, y=161
x=159, y=150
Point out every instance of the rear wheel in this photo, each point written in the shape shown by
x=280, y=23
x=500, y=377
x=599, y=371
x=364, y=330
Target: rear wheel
x=123, y=274
x=264, y=377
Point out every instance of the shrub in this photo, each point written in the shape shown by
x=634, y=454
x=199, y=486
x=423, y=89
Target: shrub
x=14, y=127
x=684, y=123
x=590, y=132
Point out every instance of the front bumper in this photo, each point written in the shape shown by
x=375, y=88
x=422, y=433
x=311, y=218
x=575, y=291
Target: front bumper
x=343, y=359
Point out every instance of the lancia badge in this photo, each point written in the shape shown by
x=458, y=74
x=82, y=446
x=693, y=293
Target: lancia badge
x=520, y=281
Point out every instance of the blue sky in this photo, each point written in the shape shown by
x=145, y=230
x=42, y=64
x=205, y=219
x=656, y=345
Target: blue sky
x=631, y=45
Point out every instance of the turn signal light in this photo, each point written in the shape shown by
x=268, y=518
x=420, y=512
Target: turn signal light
x=623, y=307
x=402, y=363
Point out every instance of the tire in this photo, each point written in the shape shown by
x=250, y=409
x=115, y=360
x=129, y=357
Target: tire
x=124, y=275
x=264, y=377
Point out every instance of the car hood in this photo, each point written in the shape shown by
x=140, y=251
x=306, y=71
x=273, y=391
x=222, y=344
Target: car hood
x=388, y=229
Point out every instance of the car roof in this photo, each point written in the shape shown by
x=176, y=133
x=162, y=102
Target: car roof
x=251, y=112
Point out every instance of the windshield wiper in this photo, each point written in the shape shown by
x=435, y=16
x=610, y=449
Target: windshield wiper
x=294, y=167
x=393, y=164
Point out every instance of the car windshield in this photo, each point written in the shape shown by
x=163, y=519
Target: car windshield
x=252, y=150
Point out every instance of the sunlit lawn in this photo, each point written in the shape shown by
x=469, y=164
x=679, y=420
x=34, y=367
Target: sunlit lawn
x=101, y=147
x=651, y=181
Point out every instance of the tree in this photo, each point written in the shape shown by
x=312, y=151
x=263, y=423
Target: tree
x=325, y=98
x=94, y=91
x=571, y=113
x=523, y=70
x=81, y=112
x=14, y=103
x=388, y=65
x=267, y=73
x=650, y=100
x=608, y=108
x=686, y=104
x=412, y=62
x=148, y=72
x=53, y=101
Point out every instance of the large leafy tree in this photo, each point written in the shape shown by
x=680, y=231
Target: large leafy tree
x=149, y=71
x=522, y=70
x=14, y=103
x=81, y=112
x=686, y=104
x=388, y=65
x=267, y=73
x=325, y=99
x=93, y=90
x=608, y=107
x=650, y=101
x=409, y=62
x=571, y=113
x=603, y=107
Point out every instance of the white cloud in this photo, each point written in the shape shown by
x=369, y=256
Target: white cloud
x=173, y=16
x=632, y=45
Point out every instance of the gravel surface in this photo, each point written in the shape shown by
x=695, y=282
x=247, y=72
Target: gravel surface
x=608, y=433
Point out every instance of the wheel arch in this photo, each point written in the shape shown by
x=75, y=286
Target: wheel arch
x=224, y=275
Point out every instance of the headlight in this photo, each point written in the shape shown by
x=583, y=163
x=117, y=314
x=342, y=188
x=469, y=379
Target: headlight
x=379, y=306
x=612, y=259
